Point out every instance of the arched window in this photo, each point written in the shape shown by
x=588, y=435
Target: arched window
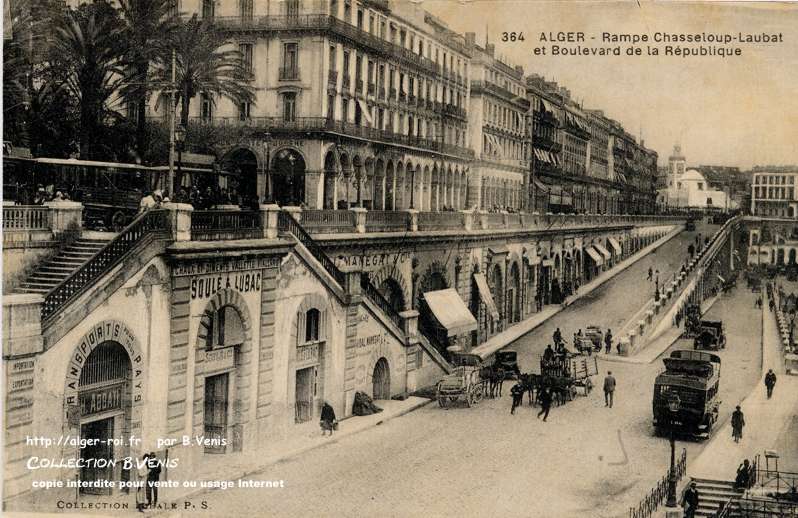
x=224, y=329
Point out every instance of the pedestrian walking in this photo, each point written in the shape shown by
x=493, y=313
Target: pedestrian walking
x=545, y=404
x=770, y=382
x=771, y=304
x=609, y=389
x=518, y=395
x=743, y=477
x=690, y=501
x=650, y=274
x=738, y=422
x=328, y=422
x=153, y=476
x=557, y=336
x=608, y=341
x=141, y=487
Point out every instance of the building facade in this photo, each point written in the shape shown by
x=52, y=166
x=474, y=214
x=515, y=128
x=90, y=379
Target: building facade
x=774, y=195
x=691, y=188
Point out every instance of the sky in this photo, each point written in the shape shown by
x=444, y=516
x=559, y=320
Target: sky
x=735, y=111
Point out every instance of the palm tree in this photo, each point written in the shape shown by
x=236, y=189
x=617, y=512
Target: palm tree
x=86, y=53
x=206, y=62
x=146, y=28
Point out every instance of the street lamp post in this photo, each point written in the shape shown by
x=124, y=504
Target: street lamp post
x=673, y=407
x=180, y=139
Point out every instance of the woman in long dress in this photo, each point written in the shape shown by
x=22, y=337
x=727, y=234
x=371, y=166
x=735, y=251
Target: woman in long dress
x=141, y=488
x=327, y=418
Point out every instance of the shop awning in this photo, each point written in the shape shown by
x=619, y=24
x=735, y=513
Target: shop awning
x=485, y=295
x=450, y=311
x=603, y=251
x=594, y=255
x=365, y=111
x=498, y=249
x=616, y=245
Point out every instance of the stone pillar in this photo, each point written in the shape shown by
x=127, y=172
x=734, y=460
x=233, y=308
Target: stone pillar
x=413, y=219
x=268, y=220
x=483, y=219
x=410, y=325
x=360, y=219
x=180, y=217
x=314, y=189
x=22, y=344
x=468, y=219
x=65, y=216
x=351, y=285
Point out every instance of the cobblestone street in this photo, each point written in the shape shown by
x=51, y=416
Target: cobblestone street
x=586, y=460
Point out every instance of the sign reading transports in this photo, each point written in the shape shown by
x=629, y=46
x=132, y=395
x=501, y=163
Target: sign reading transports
x=206, y=286
x=100, y=400
x=224, y=265
x=219, y=359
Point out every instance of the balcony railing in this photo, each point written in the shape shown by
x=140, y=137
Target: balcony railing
x=346, y=82
x=372, y=88
x=441, y=220
x=212, y=225
x=289, y=74
x=358, y=85
x=328, y=221
x=332, y=77
x=381, y=94
x=26, y=217
x=387, y=221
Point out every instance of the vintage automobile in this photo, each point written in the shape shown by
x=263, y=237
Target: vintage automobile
x=464, y=383
x=710, y=335
x=508, y=361
x=692, y=379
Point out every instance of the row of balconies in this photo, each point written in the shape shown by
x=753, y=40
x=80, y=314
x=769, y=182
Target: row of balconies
x=355, y=35
x=499, y=91
x=322, y=124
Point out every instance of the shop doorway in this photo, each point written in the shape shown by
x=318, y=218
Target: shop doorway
x=216, y=407
x=305, y=394
x=381, y=380
x=99, y=447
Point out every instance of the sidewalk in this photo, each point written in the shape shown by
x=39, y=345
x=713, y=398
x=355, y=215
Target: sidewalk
x=508, y=336
x=764, y=419
x=653, y=349
x=232, y=466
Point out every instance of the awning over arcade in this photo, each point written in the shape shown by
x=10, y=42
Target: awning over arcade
x=450, y=311
x=615, y=245
x=603, y=251
x=485, y=295
x=594, y=255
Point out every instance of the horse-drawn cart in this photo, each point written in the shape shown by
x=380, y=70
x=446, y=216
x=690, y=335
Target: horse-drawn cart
x=464, y=383
x=564, y=375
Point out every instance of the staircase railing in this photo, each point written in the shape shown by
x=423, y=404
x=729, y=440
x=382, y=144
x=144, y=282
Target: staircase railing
x=376, y=297
x=143, y=226
x=287, y=223
x=648, y=505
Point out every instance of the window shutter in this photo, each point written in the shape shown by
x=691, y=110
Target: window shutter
x=323, y=325
x=300, y=328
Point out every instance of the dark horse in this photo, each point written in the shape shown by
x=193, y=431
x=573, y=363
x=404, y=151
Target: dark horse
x=495, y=377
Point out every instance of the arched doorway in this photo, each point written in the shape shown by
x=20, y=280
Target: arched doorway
x=792, y=256
x=241, y=183
x=288, y=177
x=381, y=380
x=392, y=292
x=104, y=401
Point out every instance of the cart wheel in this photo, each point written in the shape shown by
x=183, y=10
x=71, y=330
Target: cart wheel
x=477, y=394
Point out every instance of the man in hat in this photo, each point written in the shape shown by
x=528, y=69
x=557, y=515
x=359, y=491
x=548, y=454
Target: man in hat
x=737, y=422
x=609, y=389
x=690, y=501
x=770, y=382
x=153, y=476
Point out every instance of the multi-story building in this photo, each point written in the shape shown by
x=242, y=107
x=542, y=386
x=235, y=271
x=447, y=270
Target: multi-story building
x=357, y=103
x=497, y=130
x=774, y=195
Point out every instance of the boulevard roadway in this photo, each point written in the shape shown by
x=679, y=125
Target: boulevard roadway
x=587, y=460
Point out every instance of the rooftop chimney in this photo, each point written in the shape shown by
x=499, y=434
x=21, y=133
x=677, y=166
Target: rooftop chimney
x=490, y=49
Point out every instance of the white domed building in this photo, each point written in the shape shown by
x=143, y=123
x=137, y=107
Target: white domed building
x=689, y=188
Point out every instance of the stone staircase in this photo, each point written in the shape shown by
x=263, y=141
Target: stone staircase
x=51, y=273
x=713, y=494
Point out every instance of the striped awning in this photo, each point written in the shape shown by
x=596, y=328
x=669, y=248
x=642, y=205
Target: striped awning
x=603, y=251
x=594, y=255
x=485, y=295
x=615, y=244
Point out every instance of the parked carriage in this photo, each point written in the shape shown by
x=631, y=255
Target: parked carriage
x=465, y=383
x=565, y=375
x=589, y=342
